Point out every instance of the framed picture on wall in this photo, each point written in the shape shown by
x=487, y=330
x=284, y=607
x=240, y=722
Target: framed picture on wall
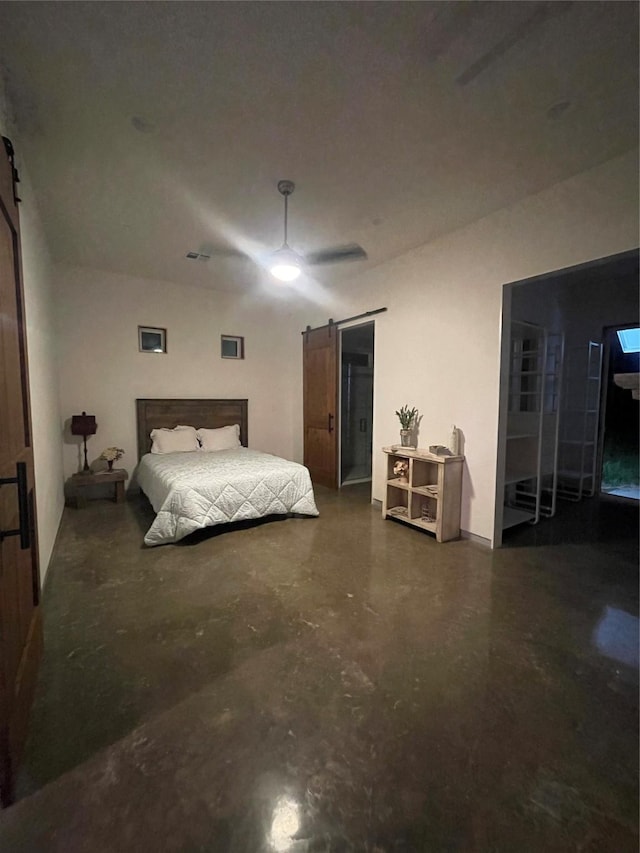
x=231, y=346
x=151, y=339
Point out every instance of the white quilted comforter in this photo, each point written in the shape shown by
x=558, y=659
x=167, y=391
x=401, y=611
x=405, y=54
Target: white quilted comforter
x=189, y=491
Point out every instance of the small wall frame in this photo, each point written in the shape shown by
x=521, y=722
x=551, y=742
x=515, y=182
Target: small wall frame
x=231, y=346
x=152, y=339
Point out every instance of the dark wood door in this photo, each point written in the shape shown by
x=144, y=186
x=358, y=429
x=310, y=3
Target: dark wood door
x=320, y=385
x=20, y=620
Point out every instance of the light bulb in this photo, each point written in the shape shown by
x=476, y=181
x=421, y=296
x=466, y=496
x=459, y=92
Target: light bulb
x=285, y=265
x=285, y=272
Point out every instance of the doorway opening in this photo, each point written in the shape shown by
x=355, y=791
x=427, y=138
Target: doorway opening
x=356, y=404
x=620, y=470
x=552, y=452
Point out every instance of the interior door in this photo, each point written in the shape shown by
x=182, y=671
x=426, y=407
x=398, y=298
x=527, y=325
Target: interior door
x=320, y=388
x=20, y=620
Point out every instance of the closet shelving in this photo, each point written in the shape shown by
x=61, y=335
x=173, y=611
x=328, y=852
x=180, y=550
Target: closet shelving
x=579, y=422
x=534, y=395
x=551, y=418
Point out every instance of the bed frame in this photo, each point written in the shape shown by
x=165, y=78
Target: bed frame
x=208, y=414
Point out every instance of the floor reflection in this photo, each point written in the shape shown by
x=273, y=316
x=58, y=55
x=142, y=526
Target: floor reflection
x=616, y=636
x=335, y=684
x=285, y=824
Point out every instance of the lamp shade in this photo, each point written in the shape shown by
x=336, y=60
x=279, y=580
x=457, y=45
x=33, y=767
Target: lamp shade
x=83, y=424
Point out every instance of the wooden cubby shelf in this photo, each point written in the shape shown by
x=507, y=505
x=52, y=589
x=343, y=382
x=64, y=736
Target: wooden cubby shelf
x=430, y=498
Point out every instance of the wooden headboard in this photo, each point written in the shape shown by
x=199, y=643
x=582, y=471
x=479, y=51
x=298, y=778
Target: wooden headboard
x=209, y=414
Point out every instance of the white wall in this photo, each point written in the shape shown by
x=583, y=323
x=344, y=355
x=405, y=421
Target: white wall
x=438, y=346
x=42, y=355
x=581, y=305
x=613, y=303
x=102, y=372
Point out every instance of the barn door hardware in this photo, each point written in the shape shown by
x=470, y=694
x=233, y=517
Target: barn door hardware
x=333, y=322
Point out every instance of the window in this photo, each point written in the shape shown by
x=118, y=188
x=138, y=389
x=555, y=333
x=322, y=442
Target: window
x=231, y=346
x=629, y=340
x=151, y=339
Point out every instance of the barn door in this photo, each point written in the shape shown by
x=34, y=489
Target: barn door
x=20, y=621
x=320, y=386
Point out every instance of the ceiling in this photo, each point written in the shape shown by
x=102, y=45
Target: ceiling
x=152, y=129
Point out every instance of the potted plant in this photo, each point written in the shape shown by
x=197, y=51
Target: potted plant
x=407, y=418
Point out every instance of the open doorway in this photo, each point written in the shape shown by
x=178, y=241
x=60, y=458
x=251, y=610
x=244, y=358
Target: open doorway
x=356, y=403
x=620, y=475
x=571, y=305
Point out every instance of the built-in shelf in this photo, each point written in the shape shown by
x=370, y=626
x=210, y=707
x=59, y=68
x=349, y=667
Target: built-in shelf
x=568, y=474
x=522, y=436
x=512, y=516
x=520, y=476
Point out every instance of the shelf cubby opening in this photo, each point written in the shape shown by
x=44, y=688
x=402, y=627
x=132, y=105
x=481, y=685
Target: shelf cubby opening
x=424, y=473
x=423, y=508
x=397, y=501
x=391, y=461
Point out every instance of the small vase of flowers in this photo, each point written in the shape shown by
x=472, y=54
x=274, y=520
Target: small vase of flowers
x=111, y=455
x=400, y=469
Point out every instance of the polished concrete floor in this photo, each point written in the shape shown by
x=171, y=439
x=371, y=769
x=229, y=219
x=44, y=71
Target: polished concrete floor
x=335, y=684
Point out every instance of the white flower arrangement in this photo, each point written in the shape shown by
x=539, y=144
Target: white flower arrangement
x=400, y=468
x=112, y=454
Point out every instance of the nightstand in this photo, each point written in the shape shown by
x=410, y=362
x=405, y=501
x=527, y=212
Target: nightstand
x=79, y=483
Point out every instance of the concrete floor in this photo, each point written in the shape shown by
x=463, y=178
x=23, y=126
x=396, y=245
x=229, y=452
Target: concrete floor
x=335, y=684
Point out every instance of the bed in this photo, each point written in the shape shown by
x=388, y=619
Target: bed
x=191, y=490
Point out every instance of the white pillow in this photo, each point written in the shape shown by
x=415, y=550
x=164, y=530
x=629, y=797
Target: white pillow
x=225, y=438
x=178, y=440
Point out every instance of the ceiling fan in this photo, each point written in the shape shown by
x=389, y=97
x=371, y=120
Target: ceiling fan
x=286, y=265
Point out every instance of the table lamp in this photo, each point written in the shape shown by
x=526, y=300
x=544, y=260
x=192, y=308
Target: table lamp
x=84, y=425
